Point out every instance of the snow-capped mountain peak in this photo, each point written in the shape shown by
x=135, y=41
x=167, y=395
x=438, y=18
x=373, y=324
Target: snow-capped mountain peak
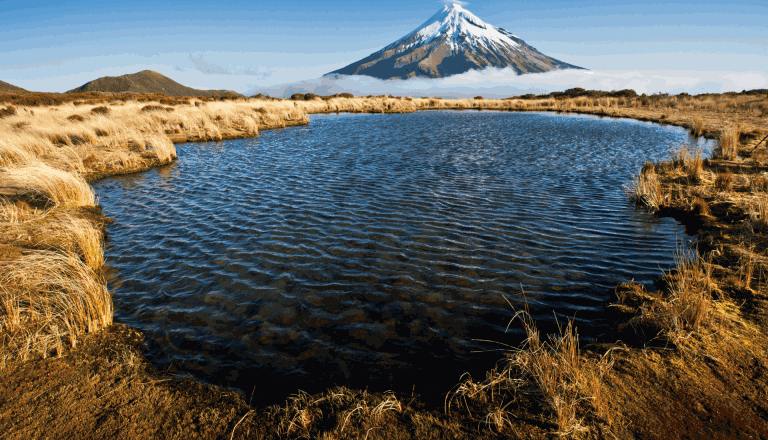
x=453, y=41
x=458, y=26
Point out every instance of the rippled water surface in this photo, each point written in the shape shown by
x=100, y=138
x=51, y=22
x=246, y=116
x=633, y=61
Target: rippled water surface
x=376, y=249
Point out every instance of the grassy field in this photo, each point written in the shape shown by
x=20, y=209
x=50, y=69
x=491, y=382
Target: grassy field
x=688, y=359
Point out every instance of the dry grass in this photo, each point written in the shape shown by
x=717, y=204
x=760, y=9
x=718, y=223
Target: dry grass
x=689, y=306
x=74, y=236
x=687, y=158
x=347, y=413
x=16, y=213
x=568, y=384
x=758, y=215
x=564, y=377
x=646, y=190
x=54, y=186
x=698, y=126
x=49, y=298
x=53, y=229
x=728, y=144
x=723, y=181
x=694, y=316
x=14, y=153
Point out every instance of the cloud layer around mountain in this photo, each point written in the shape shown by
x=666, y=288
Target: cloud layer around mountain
x=502, y=83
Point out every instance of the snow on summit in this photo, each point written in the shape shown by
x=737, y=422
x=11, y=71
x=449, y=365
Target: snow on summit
x=453, y=41
x=460, y=26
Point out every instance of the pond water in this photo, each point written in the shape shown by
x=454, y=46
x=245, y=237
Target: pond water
x=379, y=250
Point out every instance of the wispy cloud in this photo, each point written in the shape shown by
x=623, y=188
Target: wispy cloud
x=259, y=73
x=749, y=41
x=208, y=68
x=34, y=65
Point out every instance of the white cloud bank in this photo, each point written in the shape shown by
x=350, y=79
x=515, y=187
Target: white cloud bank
x=502, y=83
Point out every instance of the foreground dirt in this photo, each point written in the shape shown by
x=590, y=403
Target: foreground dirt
x=106, y=389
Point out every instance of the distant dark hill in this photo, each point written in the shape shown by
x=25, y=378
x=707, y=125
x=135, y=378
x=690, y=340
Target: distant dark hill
x=10, y=88
x=146, y=81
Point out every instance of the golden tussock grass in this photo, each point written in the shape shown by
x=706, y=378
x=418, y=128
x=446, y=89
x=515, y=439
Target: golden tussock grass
x=688, y=159
x=53, y=229
x=689, y=306
x=758, y=183
x=568, y=384
x=48, y=299
x=758, y=215
x=13, y=153
x=727, y=144
x=645, y=189
x=72, y=235
x=347, y=412
x=694, y=315
x=15, y=213
x=54, y=186
x=697, y=127
x=723, y=181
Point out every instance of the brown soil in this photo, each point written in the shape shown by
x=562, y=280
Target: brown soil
x=662, y=395
x=106, y=389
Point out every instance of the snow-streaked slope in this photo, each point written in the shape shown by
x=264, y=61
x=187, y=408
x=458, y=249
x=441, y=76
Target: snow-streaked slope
x=460, y=26
x=453, y=41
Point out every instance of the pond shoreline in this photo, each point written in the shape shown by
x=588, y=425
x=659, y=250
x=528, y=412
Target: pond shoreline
x=113, y=356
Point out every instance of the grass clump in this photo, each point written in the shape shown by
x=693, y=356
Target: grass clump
x=47, y=300
x=7, y=111
x=54, y=187
x=72, y=235
x=567, y=383
x=53, y=229
x=724, y=181
x=689, y=305
x=340, y=412
x=156, y=108
x=758, y=215
x=100, y=110
x=11, y=153
x=646, y=189
x=727, y=144
x=698, y=126
x=692, y=313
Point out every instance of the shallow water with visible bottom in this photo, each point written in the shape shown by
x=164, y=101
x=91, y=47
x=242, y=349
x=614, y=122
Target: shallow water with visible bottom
x=380, y=250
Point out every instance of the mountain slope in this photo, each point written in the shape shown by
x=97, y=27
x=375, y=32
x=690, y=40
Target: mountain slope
x=146, y=81
x=453, y=41
x=10, y=88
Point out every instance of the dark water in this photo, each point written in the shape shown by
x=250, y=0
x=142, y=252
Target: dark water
x=374, y=250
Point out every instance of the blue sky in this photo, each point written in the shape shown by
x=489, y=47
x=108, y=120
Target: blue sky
x=238, y=45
